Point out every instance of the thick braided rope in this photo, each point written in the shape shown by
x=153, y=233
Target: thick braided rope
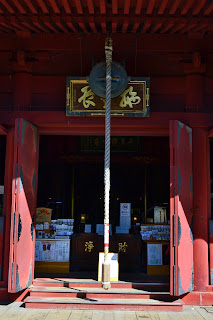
x=108, y=52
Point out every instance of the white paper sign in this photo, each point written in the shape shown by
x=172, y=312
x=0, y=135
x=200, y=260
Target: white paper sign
x=125, y=209
x=45, y=250
x=113, y=260
x=62, y=251
x=154, y=252
x=125, y=215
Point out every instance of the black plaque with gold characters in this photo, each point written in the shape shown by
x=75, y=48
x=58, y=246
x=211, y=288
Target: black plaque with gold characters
x=133, y=102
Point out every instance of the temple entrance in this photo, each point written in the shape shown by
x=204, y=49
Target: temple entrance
x=69, y=224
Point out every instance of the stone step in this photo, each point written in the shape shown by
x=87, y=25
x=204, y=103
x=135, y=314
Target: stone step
x=70, y=283
x=86, y=292
x=102, y=304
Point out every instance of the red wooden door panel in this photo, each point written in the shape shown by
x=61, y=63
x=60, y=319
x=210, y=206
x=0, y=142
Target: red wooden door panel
x=181, y=197
x=24, y=185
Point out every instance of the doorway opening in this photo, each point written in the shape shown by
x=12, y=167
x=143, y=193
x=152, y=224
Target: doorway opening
x=70, y=202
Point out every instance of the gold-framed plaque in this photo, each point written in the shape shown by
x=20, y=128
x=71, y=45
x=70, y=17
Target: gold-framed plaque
x=133, y=102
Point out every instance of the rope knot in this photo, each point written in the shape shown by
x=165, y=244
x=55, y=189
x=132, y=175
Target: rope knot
x=108, y=49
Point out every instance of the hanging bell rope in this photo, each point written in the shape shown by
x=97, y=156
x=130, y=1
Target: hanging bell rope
x=106, y=265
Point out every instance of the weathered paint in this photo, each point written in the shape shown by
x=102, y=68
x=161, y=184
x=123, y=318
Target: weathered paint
x=181, y=279
x=22, y=247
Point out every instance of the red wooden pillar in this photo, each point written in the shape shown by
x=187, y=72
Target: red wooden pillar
x=8, y=199
x=194, y=84
x=211, y=250
x=200, y=207
x=22, y=91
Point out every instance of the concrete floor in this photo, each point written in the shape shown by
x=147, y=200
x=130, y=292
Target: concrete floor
x=16, y=311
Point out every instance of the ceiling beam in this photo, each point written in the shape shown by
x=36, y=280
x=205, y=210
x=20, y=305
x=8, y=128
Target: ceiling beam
x=199, y=7
x=115, y=6
x=135, y=27
x=146, y=26
x=187, y=6
x=102, y=7
x=126, y=6
x=115, y=20
x=200, y=27
x=178, y=27
x=93, y=27
x=69, y=22
x=49, y=42
x=29, y=26
x=31, y=6
x=125, y=26
x=174, y=6
x=19, y=6
x=138, y=7
x=156, y=27
x=167, y=27
x=90, y=6
x=78, y=6
x=150, y=7
x=48, y=23
x=58, y=119
x=188, y=27
x=66, y=6
x=54, y=6
x=82, y=26
x=7, y=6
x=14, y=22
x=6, y=28
x=163, y=6
x=209, y=9
x=38, y=24
x=103, y=27
x=43, y=6
x=114, y=27
x=119, y=18
x=58, y=22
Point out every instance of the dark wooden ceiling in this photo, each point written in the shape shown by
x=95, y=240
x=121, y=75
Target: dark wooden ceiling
x=102, y=16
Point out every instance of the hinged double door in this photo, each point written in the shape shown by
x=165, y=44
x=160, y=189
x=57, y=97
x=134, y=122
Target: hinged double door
x=181, y=203
x=24, y=185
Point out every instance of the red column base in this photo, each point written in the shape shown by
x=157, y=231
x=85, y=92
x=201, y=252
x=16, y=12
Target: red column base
x=198, y=298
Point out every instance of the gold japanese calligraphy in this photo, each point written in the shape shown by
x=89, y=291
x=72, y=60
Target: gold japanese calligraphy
x=129, y=98
x=122, y=247
x=86, y=98
x=89, y=246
